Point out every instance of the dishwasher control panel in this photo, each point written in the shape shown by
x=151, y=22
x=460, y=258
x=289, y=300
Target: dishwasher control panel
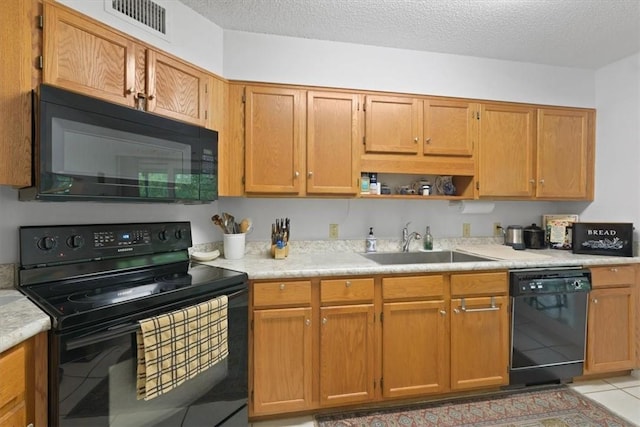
x=549, y=281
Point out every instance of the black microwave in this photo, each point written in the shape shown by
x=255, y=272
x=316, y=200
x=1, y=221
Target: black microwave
x=86, y=149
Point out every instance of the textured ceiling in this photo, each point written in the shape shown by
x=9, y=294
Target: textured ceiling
x=573, y=33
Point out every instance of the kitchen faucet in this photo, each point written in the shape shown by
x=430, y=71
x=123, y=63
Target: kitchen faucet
x=406, y=237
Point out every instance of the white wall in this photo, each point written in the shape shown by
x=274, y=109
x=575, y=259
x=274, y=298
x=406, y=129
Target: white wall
x=281, y=59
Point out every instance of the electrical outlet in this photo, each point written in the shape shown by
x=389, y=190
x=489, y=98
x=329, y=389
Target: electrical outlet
x=497, y=229
x=333, y=231
x=466, y=230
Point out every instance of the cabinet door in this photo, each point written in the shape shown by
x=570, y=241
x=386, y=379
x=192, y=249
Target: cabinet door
x=414, y=348
x=86, y=57
x=449, y=127
x=346, y=354
x=332, y=143
x=15, y=93
x=392, y=124
x=273, y=156
x=175, y=89
x=506, y=151
x=281, y=360
x=611, y=330
x=564, y=168
x=479, y=342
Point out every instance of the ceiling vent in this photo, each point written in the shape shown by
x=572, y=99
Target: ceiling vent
x=146, y=14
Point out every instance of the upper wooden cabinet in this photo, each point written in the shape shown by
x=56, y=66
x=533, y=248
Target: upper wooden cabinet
x=85, y=56
x=506, y=152
x=16, y=72
x=392, y=124
x=565, y=154
x=281, y=159
x=544, y=153
x=450, y=127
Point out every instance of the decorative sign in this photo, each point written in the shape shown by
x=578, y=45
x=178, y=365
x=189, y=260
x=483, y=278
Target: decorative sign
x=603, y=238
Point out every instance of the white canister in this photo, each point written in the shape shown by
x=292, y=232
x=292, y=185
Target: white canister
x=233, y=245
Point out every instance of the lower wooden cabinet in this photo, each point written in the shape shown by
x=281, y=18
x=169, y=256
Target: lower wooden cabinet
x=346, y=354
x=23, y=384
x=611, y=324
x=479, y=342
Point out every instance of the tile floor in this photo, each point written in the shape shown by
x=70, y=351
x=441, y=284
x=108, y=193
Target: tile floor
x=620, y=394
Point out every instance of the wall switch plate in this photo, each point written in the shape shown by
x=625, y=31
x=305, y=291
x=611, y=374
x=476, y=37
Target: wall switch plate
x=497, y=229
x=466, y=230
x=333, y=231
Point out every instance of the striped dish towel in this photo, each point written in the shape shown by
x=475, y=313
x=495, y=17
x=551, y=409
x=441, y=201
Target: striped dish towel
x=176, y=346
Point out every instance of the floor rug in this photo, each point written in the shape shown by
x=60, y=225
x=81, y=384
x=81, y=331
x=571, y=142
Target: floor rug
x=557, y=407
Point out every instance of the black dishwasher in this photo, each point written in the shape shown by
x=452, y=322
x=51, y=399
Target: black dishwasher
x=548, y=324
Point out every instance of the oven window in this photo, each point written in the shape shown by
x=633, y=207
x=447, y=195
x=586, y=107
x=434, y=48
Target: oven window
x=97, y=384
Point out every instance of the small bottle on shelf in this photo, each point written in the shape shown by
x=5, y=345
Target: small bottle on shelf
x=428, y=239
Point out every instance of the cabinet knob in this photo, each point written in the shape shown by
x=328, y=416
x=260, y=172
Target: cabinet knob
x=310, y=174
x=151, y=96
x=347, y=284
x=614, y=270
x=542, y=182
x=282, y=286
x=456, y=311
x=595, y=300
x=428, y=140
x=324, y=320
x=443, y=313
x=307, y=322
x=296, y=174
x=416, y=139
x=532, y=181
x=130, y=90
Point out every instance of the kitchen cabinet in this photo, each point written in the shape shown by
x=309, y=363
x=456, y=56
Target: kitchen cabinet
x=83, y=55
x=346, y=341
x=419, y=135
x=611, y=321
x=479, y=330
x=17, y=35
x=565, y=154
x=535, y=153
x=23, y=395
x=506, y=152
x=415, y=335
x=281, y=158
x=282, y=347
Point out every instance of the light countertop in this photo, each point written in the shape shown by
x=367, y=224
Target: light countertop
x=20, y=319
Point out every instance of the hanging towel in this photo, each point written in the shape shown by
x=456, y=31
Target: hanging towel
x=176, y=346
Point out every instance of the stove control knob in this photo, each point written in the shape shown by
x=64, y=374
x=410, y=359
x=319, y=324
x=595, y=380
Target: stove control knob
x=76, y=241
x=181, y=233
x=47, y=243
x=163, y=235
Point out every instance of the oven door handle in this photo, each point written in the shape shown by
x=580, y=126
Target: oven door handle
x=117, y=331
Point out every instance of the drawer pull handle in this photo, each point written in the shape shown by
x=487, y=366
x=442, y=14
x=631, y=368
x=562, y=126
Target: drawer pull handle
x=347, y=283
x=474, y=310
x=614, y=269
x=282, y=286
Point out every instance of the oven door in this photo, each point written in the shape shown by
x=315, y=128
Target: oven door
x=93, y=380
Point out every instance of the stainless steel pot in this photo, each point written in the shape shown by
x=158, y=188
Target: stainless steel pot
x=534, y=237
x=514, y=237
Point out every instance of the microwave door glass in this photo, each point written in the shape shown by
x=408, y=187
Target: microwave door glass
x=120, y=161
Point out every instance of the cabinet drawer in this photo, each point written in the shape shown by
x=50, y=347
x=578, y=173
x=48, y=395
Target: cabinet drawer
x=346, y=290
x=412, y=287
x=12, y=372
x=282, y=293
x=479, y=284
x=613, y=275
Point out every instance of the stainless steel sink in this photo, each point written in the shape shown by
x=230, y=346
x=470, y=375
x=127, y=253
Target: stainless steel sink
x=389, y=258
